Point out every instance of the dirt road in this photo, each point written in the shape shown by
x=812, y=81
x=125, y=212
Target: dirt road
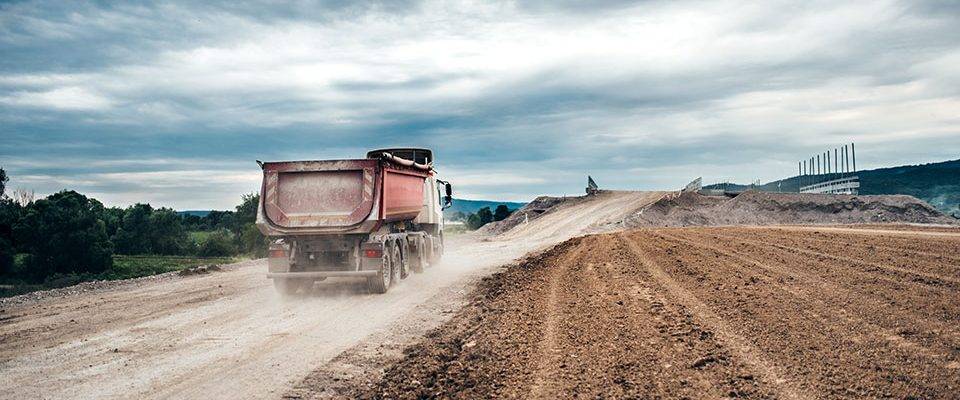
x=227, y=334
x=705, y=313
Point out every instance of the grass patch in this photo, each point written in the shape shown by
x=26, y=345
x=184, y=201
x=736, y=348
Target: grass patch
x=199, y=236
x=124, y=267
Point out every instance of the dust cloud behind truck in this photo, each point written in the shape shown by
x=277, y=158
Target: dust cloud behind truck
x=377, y=218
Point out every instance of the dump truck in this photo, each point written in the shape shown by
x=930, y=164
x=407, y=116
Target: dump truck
x=378, y=218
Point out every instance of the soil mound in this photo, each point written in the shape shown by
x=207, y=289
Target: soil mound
x=763, y=208
x=527, y=213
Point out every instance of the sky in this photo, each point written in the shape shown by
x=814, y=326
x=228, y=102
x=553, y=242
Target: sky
x=172, y=102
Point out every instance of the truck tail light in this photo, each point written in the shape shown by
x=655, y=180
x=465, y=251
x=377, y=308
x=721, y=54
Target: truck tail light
x=373, y=253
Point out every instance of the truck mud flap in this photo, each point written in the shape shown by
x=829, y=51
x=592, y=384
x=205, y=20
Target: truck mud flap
x=321, y=274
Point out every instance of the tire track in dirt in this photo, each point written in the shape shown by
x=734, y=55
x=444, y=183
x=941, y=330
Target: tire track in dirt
x=928, y=278
x=548, y=360
x=820, y=350
x=908, y=248
x=825, y=295
x=934, y=263
x=894, y=302
x=744, y=350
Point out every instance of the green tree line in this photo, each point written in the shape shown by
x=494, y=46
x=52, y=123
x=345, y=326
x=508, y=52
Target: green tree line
x=69, y=233
x=483, y=216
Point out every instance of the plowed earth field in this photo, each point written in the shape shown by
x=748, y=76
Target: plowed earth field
x=705, y=313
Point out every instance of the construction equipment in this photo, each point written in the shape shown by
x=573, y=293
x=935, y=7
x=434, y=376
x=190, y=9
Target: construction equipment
x=694, y=186
x=592, y=187
x=377, y=218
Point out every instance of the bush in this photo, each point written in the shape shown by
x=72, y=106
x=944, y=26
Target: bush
x=9, y=215
x=217, y=244
x=6, y=256
x=63, y=280
x=252, y=241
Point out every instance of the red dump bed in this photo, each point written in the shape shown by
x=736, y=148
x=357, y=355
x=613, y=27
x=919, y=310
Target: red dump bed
x=300, y=195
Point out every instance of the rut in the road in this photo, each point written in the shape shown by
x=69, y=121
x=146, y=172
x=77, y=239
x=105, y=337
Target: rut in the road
x=703, y=312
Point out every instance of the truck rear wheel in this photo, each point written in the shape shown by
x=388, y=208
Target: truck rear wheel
x=380, y=282
x=399, y=263
x=403, y=254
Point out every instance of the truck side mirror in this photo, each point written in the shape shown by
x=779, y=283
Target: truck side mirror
x=448, y=199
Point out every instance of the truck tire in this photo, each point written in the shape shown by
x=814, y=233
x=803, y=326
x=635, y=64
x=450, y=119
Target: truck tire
x=400, y=263
x=290, y=287
x=380, y=282
x=437, y=250
x=418, y=256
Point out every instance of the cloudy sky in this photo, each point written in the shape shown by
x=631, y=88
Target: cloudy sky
x=171, y=102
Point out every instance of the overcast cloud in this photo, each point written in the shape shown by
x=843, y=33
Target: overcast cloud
x=170, y=103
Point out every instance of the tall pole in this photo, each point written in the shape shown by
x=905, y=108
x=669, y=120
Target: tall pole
x=818, y=164
x=853, y=152
x=847, y=158
x=828, y=163
x=842, y=160
x=799, y=175
x=836, y=162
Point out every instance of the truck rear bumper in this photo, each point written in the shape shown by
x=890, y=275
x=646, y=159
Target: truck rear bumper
x=321, y=274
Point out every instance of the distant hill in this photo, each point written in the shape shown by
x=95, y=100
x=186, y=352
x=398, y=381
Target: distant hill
x=462, y=205
x=199, y=213
x=471, y=206
x=934, y=183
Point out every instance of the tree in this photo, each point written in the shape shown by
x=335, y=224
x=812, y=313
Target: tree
x=9, y=215
x=486, y=216
x=167, y=234
x=501, y=213
x=23, y=197
x=113, y=218
x=482, y=217
x=249, y=238
x=217, y=244
x=65, y=234
x=247, y=210
x=134, y=233
x=3, y=183
x=253, y=242
x=217, y=220
x=191, y=222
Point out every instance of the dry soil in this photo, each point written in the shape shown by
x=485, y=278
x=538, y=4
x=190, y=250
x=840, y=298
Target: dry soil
x=705, y=313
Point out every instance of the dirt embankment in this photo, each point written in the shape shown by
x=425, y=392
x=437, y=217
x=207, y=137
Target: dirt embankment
x=704, y=313
x=530, y=211
x=761, y=208
x=665, y=209
x=565, y=217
